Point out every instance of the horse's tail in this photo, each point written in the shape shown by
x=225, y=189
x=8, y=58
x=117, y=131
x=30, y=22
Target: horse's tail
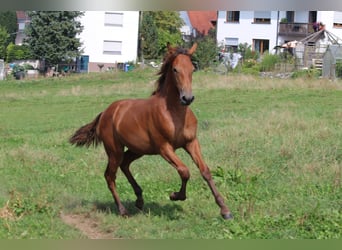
x=86, y=135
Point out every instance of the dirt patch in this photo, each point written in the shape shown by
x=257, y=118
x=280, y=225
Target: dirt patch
x=6, y=213
x=88, y=226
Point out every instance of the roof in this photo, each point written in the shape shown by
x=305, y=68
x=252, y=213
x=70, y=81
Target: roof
x=21, y=15
x=322, y=34
x=203, y=21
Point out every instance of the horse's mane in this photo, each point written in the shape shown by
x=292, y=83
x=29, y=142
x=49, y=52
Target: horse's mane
x=167, y=62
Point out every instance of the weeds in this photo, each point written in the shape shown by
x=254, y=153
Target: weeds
x=18, y=206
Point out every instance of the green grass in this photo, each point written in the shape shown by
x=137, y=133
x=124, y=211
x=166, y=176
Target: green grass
x=274, y=148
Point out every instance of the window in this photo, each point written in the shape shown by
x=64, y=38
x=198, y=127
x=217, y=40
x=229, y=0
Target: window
x=231, y=44
x=112, y=47
x=261, y=45
x=262, y=17
x=21, y=26
x=233, y=16
x=114, y=19
x=312, y=16
x=290, y=16
x=337, y=19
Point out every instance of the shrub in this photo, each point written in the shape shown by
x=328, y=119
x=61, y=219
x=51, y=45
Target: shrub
x=338, y=69
x=246, y=51
x=207, y=50
x=307, y=73
x=17, y=52
x=269, y=61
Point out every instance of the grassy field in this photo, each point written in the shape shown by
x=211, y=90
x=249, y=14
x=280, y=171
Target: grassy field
x=274, y=147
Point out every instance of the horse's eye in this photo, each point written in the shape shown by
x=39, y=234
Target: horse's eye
x=175, y=70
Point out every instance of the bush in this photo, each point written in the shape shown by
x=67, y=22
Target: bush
x=246, y=52
x=307, y=73
x=207, y=50
x=17, y=52
x=338, y=70
x=269, y=61
x=249, y=66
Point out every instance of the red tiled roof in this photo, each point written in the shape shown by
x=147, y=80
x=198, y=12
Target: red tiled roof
x=21, y=15
x=202, y=21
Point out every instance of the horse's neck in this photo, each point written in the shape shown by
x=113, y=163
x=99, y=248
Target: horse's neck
x=171, y=95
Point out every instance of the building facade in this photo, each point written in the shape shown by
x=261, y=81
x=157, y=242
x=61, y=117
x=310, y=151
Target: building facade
x=256, y=28
x=265, y=30
x=110, y=38
x=22, y=21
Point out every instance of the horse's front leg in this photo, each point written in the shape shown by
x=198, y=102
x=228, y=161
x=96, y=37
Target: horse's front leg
x=193, y=148
x=170, y=156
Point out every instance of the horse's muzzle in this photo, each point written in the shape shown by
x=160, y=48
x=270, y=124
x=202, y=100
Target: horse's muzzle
x=187, y=100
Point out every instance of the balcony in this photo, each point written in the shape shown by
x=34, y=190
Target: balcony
x=296, y=29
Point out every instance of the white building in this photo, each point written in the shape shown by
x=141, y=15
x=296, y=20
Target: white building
x=22, y=21
x=109, y=38
x=264, y=30
x=256, y=28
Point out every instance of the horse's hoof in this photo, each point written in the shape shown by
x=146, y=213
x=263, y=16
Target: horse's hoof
x=139, y=204
x=125, y=215
x=175, y=196
x=227, y=216
x=123, y=212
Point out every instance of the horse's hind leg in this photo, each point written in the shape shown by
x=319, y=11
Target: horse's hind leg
x=110, y=176
x=129, y=157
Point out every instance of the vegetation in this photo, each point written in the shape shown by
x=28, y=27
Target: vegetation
x=338, y=69
x=8, y=20
x=17, y=52
x=274, y=148
x=148, y=37
x=52, y=35
x=207, y=50
x=159, y=28
x=4, y=38
x=269, y=61
x=307, y=73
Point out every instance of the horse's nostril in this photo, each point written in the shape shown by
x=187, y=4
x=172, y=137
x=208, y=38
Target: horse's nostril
x=187, y=101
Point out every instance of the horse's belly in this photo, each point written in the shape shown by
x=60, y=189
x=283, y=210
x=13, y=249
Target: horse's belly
x=137, y=139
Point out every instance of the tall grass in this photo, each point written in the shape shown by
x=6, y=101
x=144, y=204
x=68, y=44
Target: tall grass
x=274, y=148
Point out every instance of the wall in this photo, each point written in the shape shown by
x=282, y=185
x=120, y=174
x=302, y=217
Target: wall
x=95, y=32
x=245, y=30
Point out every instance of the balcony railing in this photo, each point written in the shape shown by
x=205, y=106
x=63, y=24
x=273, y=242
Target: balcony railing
x=296, y=29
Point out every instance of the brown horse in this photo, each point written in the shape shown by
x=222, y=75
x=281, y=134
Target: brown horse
x=157, y=125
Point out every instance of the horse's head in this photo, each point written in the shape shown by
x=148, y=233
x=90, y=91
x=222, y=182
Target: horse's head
x=182, y=69
x=176, y=73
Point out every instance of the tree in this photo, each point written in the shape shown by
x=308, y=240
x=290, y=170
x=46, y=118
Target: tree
x=8, y=20
x=52, y=35
x=160, y=28
x=168, y=26
x=4, y=38
x=207, y=50
x=148, y=36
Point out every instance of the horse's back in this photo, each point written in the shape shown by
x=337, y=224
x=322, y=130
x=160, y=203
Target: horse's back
x=145, y=125
x=126, y=122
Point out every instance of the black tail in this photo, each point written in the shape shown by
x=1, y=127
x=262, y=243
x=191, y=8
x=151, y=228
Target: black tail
x=86, y=135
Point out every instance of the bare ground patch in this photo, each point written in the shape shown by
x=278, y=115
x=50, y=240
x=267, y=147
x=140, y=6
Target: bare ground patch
x=86, y=225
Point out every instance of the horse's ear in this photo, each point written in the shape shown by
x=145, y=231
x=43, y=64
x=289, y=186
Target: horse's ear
x=168, y=46
x=192, y=49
